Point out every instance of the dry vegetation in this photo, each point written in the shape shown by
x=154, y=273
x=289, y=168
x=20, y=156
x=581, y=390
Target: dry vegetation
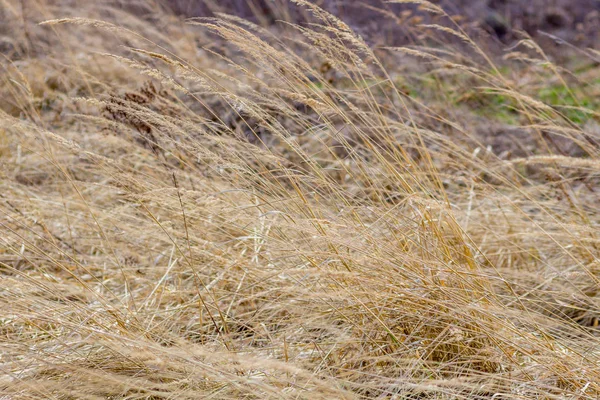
x=214, y=209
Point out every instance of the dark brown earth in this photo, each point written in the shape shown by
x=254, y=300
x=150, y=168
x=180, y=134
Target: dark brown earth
x=576, y=21
x=497, y=22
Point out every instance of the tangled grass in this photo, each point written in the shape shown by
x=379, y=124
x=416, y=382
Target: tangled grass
x=215, y=209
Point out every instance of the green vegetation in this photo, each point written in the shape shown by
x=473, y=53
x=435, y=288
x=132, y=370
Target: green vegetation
x=566, y=102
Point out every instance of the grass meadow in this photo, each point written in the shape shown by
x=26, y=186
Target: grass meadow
x=224, y=209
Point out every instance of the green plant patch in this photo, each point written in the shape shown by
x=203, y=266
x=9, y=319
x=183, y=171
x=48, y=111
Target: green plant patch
x=578, y=109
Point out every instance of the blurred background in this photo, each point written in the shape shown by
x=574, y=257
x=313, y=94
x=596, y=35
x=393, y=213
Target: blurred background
x=498, y=22
x=576, y=21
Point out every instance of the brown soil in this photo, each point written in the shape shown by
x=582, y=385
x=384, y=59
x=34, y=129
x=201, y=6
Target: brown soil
x=576, y=21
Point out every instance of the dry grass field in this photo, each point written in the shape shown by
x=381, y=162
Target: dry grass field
x=213, y=208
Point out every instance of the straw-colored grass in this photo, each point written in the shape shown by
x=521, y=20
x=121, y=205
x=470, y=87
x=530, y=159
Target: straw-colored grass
x=214, y=209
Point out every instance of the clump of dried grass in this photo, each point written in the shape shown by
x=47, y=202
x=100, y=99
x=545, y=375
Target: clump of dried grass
x=274, y=216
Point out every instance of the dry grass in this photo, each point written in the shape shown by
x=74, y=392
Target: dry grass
x=213, y=209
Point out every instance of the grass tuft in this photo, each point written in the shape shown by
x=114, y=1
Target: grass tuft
x=216, y=209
